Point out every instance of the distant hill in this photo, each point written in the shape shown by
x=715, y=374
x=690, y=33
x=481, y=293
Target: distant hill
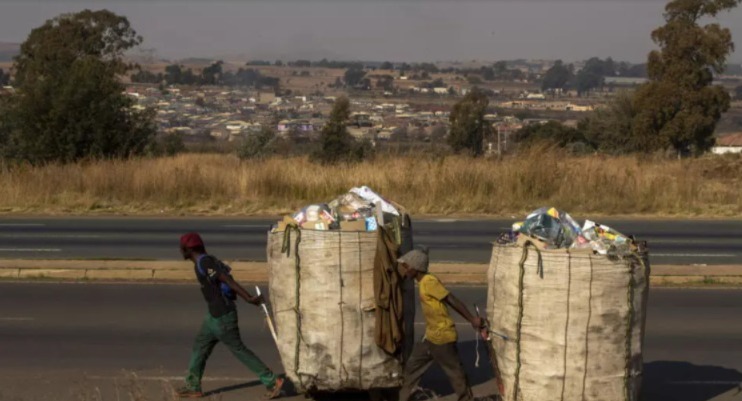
x=8, y=50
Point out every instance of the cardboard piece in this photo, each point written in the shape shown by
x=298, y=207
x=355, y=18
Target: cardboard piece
x=316, y=225
x=355, y=225
x=287, y=220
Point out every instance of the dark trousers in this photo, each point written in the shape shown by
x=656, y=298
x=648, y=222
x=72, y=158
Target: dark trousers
x=223, y=329
x=445, y=355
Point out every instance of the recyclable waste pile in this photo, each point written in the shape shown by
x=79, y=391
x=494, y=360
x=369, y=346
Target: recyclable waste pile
x=570, y=301
x=344, y=316
x=358, y=210
x=555, y=229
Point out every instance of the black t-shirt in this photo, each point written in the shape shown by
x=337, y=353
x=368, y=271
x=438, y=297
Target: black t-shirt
x=219, y=305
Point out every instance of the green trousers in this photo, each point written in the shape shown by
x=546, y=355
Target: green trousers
x=226, y=330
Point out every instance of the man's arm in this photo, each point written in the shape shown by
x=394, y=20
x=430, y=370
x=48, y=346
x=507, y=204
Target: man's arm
x=462, y=310
x=237, y=288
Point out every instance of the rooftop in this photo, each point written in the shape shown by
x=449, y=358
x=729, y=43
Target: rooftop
x=730, y=140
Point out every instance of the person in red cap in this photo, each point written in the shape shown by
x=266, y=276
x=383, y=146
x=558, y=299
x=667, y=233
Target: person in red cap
x=220, y=325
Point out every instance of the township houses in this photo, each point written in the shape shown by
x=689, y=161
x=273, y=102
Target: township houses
x=731, y=143
x=534, y=104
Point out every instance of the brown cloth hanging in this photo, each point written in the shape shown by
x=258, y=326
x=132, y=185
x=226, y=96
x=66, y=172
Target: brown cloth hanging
x=389, y=330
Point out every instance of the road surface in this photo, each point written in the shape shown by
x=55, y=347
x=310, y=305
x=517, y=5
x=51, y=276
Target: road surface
x=91, y=341
x=671, y=241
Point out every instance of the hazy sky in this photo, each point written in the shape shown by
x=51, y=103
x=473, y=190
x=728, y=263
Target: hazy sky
x=412, y=30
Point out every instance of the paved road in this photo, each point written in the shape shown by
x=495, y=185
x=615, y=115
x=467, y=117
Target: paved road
x=671, y=241
x=107, y=341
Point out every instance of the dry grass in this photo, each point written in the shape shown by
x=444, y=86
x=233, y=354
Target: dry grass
x=219, y=184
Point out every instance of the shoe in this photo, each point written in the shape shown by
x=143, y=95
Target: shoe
x=187, y=392
x=276, y=390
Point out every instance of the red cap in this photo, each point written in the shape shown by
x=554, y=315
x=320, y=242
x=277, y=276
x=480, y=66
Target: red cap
x=191, y=240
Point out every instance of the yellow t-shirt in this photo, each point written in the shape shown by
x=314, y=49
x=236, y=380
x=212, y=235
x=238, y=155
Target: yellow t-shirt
x=440, y=328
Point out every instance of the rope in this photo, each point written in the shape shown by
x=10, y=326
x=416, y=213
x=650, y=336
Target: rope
x=630, y=319
x=516, y=385
x=540, y=262
x=566, y=323
x=286, y=246
x=340, y=304
x=360, y=310
x=286, y=249
x=587, y=327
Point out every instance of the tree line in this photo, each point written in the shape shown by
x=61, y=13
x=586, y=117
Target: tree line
x=590, y=77
x=214, y=74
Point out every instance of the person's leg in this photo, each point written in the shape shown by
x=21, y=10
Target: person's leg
x=229, y=334
x=202, y=347
x=416, y=365
x=447, y=356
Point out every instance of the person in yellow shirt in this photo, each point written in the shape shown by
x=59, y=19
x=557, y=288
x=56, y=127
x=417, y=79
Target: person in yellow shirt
x=439, y=343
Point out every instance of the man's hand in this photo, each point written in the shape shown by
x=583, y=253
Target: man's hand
x=256, y=300
x=484, y=333
x=480, y=325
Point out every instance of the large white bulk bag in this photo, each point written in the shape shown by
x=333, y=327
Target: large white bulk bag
x=322, y=295
x=574, y=322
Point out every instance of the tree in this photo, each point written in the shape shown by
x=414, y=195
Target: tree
x=637, y=71
x=474, y=80
x=189, y=78
x=386, y=66
x=146, y=77
x=488, y=73
x=336, y=144
x=173, y=74
x=552, y=132
x=69, y=103
x=592, y=75
x=427, y=67
x=438, y=133
x=610, y=129
x=468, y=127
x=557, y=76
x=385, y=82
x=679, y=108
x=257, y=145
x=212, y=75
x=500, y=68
x=168, y=145
x=4, y=78
x=302, y=63
x=354, y=77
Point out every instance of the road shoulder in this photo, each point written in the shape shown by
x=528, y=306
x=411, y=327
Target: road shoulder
x=257, y=272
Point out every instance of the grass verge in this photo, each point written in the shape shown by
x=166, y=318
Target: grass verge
x=211, y=184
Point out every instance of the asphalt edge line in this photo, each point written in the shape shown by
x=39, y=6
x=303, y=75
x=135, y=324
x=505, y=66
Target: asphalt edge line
x=474, y=278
